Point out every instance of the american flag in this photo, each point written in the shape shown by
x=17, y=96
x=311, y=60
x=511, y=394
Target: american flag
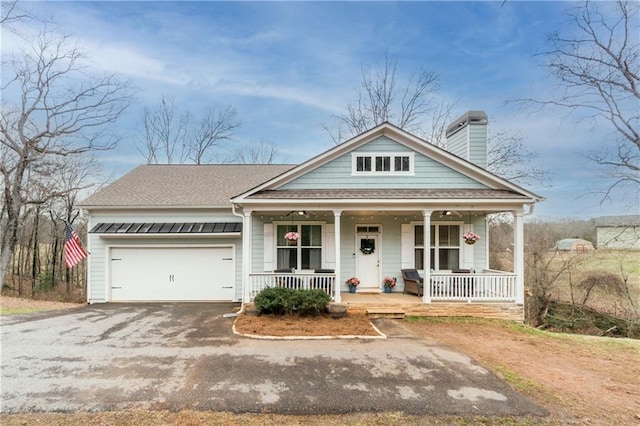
x=73, y=250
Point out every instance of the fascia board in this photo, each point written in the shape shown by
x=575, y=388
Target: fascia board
x=396, y=203
x=155, y=208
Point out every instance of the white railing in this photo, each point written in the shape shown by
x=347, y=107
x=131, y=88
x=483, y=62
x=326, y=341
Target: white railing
x=300, y=281
x=485, y=286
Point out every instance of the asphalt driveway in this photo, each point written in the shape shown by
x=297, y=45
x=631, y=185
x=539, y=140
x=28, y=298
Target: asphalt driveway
x=179, y=356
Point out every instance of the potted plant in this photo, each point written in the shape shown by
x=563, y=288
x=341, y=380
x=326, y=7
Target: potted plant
x=470, y=238
x=353, y=282
x=389, y=283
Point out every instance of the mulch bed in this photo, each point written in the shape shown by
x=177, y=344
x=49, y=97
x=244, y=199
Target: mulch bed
x=269, y=325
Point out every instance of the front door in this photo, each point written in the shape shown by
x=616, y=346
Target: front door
x=368, y=262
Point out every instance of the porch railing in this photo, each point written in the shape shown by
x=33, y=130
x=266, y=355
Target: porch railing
x=300, y=281
x=485, y=286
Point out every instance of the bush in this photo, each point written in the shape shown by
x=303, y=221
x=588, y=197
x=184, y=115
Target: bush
x=280, y=301
x=45, y=281
x=272, y=300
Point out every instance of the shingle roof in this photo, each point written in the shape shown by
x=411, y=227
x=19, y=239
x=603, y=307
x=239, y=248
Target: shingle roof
x=388, y=193
x=626, y=220
x=183, y=185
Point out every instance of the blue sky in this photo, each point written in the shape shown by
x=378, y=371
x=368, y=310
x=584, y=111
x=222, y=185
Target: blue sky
x=288, y=67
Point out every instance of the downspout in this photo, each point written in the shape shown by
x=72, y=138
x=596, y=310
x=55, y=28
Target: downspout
x=241, y=311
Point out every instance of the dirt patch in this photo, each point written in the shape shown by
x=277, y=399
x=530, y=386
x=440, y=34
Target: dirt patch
x=18, y=304
x=323, y=325
x=582, y=379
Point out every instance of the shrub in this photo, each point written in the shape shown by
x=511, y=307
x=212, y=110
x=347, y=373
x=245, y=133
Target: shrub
x=280, y=301
x=272, y=300
x=307, y=302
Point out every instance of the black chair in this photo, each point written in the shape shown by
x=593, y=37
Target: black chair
x=413, y=282
x=287, y=282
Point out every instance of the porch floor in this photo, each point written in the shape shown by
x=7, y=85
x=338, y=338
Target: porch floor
x=411, y=305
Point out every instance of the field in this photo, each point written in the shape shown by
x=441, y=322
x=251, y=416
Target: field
x=578, y=267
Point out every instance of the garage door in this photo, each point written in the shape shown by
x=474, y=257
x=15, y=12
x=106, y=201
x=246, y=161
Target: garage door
x=172, y=274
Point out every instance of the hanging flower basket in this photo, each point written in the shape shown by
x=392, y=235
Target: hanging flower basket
x=470, y=238
x=291, y=237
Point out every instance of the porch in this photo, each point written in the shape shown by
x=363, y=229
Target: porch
x=489, y=294
x=485, y=286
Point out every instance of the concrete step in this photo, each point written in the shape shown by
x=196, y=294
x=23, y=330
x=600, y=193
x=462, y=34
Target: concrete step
x=386, y=312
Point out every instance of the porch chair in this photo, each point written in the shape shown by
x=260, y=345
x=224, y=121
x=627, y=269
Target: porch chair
x=413, y=282
x=287, y=282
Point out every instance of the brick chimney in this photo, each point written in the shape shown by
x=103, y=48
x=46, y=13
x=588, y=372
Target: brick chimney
x=467, y=137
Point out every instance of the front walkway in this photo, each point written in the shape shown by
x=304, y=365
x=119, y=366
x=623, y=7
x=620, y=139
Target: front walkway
x=412, y=305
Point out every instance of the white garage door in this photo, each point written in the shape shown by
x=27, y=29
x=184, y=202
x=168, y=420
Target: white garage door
x=172, y=274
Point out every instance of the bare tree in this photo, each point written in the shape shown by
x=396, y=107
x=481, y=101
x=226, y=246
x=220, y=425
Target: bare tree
x=416, y=108
x=52, y=107
x=596, y=64
x=170, y=136
x=381, y=99
x=257, y=153
x=509, y=158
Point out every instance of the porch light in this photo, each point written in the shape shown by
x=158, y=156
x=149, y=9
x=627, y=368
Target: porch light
x=446, y=213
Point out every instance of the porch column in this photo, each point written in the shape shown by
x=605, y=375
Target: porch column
x=336, y=224
x=518, y=255
x=246, y=254
x=426, y=288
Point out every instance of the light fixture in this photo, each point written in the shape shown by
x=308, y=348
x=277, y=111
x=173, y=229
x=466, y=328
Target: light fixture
x=446, y=213
x=302, y=213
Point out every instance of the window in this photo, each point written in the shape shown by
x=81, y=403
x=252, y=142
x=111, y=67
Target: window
x=305, y=253
x=401, y=164
x=363, y=164
x=382, y=163
x=444, y=244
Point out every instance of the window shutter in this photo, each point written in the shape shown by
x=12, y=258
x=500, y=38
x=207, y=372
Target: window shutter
x=329, y=246
x=467, y=249
x=268, y=247
x=407, y=248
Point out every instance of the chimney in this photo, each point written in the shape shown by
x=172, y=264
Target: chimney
x=467, y=137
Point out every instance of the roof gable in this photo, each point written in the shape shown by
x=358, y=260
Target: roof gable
x=475, y=176
x=426, y=173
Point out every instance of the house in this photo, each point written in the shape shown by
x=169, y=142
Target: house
x=363, y=209
x=618, y=232
x=574, y=244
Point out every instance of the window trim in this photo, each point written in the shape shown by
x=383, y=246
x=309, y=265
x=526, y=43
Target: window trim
x=298, y=245
x=437, y=246
x=392, y=157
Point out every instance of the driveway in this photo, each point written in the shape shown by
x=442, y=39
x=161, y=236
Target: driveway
x=184, y=356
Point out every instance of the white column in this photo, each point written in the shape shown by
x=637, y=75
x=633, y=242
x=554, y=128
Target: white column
x=518, y=255
x=426, y=295
x=336, y=224
x=246, y=254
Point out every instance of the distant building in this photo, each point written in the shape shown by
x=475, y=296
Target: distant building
x=574, y=244
x=618, y=232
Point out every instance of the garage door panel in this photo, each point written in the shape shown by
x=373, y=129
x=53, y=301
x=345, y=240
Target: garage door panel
x=172, y=274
